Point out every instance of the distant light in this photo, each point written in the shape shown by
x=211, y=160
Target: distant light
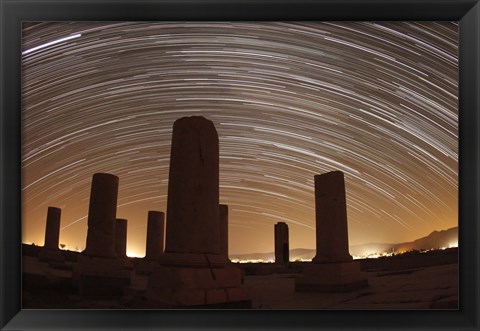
x=453, y=244
x=134, y=254
x=51, y=43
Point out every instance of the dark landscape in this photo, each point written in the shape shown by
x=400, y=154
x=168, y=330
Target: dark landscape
x=408, y=281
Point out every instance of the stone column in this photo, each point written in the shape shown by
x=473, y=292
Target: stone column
x=52, y=229
x=331, y=218
x=121, y=237
x=224, y=230
x=194, y=271
x=193, y=188
x=101, y=216
x=282, y=251
x=155, y=234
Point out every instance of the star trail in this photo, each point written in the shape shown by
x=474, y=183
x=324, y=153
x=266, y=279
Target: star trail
x=376, y=100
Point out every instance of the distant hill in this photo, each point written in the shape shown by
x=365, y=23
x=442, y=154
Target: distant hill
x=435, y=240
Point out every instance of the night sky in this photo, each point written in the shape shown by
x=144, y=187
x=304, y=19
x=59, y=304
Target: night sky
x=377, y=101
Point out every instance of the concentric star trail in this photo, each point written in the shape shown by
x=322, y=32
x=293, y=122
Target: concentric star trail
x=376, y=100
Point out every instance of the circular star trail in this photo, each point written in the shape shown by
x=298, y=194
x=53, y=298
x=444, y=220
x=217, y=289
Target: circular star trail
x=376, y=100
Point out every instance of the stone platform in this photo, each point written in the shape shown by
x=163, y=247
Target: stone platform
x=196, y=287
x=50, y=255
x=100, y=277
x=145, y=267
x=331, y=277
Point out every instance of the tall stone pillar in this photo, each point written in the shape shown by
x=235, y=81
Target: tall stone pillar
x=121, y=237
x=155, y=235
x=194, y=271
x=52, y=230
x=193, y=188
x=101, y=216
x=331, y=218
x=50, y=251
x=224, y=230
x=282, y=251
x=332, y=269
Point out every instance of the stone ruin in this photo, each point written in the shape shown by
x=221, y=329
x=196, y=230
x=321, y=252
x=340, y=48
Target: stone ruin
x=194, y=270
x=282, y=251
x=50, y=251
x=99, y=271
x=332, y=269
x=223, y=210
x=155, y=243
x=121, y=237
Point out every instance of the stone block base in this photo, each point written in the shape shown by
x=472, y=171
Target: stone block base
x=50, y=255
x=331, y=277
x=197, y=287
x=100, y=277
x=145, y=267
x=193, y=260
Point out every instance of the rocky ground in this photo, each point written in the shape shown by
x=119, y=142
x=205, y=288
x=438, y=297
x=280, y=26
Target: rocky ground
x=408, y=282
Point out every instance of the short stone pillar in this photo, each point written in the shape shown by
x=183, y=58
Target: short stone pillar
x=332, y=269
x=194, y=271
x=121, y=237
x=101, y=216
x=52, y=230
x=282, y=251
x=224, y=230
x=99, y=273
x=155, y=235
x=50, y=251
x=155, y=243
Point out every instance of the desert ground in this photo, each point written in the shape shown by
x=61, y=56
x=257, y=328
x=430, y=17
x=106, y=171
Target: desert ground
x=409, y=281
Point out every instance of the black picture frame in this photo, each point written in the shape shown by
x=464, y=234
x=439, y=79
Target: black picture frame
x=13, y=12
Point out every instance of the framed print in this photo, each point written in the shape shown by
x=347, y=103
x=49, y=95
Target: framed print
x=240, y=165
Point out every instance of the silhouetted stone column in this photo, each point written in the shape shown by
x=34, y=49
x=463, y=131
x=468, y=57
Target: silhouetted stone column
x=101, y=216
x=52, y=229
x=121, y=237
x=50, y=251
x=224, y=230
x=282, y=251
x=155, y=234
x=331, y=218
x=194, y=270
x=332, y=269
x=193, y=188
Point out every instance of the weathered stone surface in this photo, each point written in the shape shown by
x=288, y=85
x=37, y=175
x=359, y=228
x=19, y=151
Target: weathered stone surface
x=215, y=296
x=192, y=267
x=101, y=216
x=193, y=188
x=155, y=234
x=50, y=251
x=331, y=218
x=331, y=277
x=51, y=255
x=100, y=277
x=121, y=237
x=145, y=267
x=239, y=294
x=227, y=277
x=177, y=286
x=52, y=228
x=332, y=269
x=282, y=251
x=193, y=260
x=178, y=278
x=224, y=230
